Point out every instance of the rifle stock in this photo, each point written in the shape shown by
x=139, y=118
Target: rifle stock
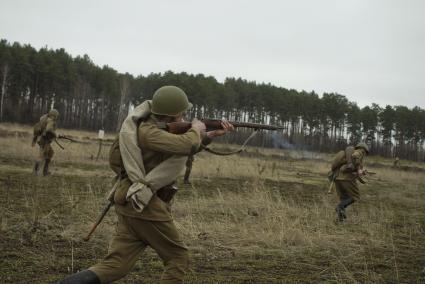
x=214, y=124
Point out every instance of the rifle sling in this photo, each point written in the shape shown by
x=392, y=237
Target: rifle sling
x=215, y=152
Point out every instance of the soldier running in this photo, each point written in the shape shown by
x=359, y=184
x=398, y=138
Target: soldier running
x=347, y=167
x=153, y=225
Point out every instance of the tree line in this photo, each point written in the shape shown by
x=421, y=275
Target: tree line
x=93, y=97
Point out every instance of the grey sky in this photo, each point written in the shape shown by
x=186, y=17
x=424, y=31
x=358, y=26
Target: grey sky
x=368, y=50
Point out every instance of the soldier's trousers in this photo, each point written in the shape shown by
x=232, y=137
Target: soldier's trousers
x=132, y=236
x=45, y=152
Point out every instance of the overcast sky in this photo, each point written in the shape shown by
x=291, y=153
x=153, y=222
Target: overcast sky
x=367, y=50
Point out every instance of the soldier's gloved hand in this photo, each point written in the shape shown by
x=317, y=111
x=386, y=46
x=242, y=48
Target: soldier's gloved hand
x=361, y=172
x=198, y=125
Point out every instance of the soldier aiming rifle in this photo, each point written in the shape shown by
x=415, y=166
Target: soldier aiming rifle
x=146, y=170
x=147, y=159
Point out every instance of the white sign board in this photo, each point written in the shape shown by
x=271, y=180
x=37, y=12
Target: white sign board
x=101, y=134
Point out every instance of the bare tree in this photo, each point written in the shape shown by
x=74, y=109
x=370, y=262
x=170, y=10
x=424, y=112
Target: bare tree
x=5, y=72
x=123, y=107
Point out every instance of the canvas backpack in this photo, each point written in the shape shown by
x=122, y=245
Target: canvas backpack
x=343, y=158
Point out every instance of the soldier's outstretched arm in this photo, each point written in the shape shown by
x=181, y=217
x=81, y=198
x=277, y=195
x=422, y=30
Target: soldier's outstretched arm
x=162, y=141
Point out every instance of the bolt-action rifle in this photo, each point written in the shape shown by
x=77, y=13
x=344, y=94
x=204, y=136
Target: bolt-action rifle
x=63, y=137
x=214, y=124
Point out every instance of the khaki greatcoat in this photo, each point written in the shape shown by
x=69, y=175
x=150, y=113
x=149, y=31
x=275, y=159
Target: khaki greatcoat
x=346, y=181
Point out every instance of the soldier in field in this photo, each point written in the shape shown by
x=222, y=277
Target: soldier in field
x=396, y=163
x=347, y=168
x=146, y=220
x=44, y=134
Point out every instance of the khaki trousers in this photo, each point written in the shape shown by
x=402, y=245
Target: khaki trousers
x=132, y=236
x=45, y=152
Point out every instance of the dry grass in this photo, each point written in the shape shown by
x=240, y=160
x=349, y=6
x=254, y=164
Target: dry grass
x=260, y=217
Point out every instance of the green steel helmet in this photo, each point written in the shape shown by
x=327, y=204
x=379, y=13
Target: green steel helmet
x=363, y=146
x=170, y=101
x=53, y=113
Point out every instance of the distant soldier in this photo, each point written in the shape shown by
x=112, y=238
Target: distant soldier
x=150, y=223
x=396, y=163
x=44, y=134
x=347, y=167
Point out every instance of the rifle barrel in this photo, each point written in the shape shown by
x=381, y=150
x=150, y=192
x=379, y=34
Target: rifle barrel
x=255, y=125
x=216, y=123
x=213, y=124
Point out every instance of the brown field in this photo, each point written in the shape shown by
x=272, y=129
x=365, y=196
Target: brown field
x=259, y=217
